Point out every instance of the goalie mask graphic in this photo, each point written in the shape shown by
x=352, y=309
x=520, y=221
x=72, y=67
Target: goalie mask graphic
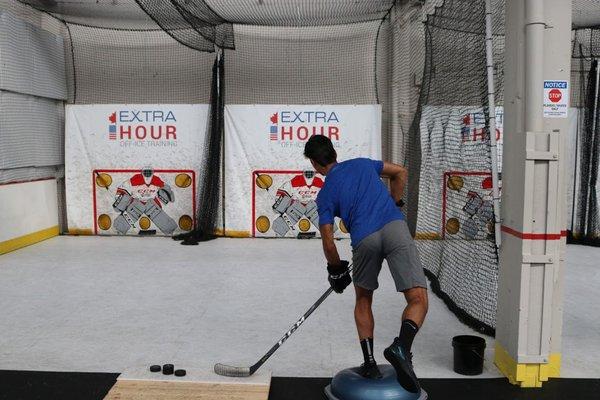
x=147, y=173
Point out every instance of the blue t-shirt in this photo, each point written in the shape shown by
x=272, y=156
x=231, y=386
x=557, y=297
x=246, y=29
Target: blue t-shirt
x=353, y=191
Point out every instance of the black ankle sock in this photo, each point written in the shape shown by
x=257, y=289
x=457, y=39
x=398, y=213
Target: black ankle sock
x=407, y=334
x=367, y=349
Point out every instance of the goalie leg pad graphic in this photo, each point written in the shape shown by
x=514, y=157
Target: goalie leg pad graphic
x=280, y=227
x=121, y=202
x=282, y=203
x=470, y=228
x=473, y=204
x=295, y=211
x=121, y=224
x=160, y=218
x=311, y=213
x=486, y=211
x=135, y=209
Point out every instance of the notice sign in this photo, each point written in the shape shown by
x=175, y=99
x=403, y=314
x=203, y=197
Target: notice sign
x=556, y=99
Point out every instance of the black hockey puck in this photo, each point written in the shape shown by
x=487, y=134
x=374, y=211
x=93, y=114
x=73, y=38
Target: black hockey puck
x=180, y=372
x=155, y=368
x=168, y=369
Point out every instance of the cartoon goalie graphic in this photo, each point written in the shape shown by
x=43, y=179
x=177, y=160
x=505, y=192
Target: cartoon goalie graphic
x=143, y=194
x=469, y=203
x=295, y=199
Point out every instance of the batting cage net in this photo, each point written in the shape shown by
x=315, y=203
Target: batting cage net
x=450, y=195
x=584, y=146
x=424, y=63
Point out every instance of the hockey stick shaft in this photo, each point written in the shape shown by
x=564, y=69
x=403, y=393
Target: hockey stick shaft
x=292, y=329
x=227, y=370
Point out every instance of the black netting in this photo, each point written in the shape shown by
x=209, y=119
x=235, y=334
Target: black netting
x=300, y=12
x=191, y=22
x=586, y=13
x=584, y=227
x=449, y=200
x=210, y=183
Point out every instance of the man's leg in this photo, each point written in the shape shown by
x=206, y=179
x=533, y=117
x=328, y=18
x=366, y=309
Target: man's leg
x=363, y=314
x=412, y=317
x=367, y=259
x=399, y=352
x=405, y=265
x=417, y=305
x=365, y=324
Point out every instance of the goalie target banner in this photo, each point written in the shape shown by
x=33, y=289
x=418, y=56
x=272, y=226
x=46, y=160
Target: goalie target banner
x=130, y=168
x=270, y=187
x=456, y=172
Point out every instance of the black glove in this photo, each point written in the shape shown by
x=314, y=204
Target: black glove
x=400, y=203
x=339, y=276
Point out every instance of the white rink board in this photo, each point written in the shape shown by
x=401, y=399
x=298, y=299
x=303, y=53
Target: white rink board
x=272, y=138
x=128, y=137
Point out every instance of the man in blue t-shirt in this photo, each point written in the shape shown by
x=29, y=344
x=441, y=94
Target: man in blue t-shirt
x=353, y=191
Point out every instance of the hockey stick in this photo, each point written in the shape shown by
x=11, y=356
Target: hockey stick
x=242, y=372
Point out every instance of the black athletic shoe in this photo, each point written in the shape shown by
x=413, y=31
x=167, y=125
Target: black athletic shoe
x=402, y=363
x=370, y=371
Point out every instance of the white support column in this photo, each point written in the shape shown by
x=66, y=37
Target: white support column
x=529, y=321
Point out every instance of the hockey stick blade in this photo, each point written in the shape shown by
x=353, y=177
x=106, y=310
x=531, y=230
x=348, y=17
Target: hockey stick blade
x=235, y=372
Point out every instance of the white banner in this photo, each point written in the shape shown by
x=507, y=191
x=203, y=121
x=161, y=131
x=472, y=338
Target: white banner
x=130, y=169
x=455, y=171
x=264, y=158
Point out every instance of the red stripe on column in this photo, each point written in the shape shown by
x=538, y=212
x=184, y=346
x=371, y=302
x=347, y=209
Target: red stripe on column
x=534, y=236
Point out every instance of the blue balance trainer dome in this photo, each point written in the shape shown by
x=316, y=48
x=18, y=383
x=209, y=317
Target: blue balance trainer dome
x=348, y=384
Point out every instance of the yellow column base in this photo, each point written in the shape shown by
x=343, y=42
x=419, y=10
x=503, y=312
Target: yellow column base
x=526, y=375
x=26, y=240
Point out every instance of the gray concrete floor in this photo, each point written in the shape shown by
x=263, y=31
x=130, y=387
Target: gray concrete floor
x=107, y=304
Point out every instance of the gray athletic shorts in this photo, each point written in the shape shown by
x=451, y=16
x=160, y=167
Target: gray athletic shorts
x=393, y=243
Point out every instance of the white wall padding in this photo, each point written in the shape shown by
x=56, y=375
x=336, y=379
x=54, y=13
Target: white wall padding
x=31, y=131
x=27, y=208
x=32, y=60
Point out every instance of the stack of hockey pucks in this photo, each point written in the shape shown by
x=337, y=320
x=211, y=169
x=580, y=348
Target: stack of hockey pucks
x=168, y=369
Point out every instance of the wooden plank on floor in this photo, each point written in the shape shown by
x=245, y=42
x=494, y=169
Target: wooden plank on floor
x=140, y=384
x=161, y=390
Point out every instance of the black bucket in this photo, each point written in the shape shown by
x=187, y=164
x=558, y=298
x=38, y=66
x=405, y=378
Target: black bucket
x=468, y=354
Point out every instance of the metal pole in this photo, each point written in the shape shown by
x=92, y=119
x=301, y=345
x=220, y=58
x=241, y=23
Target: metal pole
x=534, y=62
x=580, y=123
x=594, y=128
x=221, y=107
x=492, y=117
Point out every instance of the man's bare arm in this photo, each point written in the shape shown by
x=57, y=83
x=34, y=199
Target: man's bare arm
x=398, y=176
x=331, y=253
